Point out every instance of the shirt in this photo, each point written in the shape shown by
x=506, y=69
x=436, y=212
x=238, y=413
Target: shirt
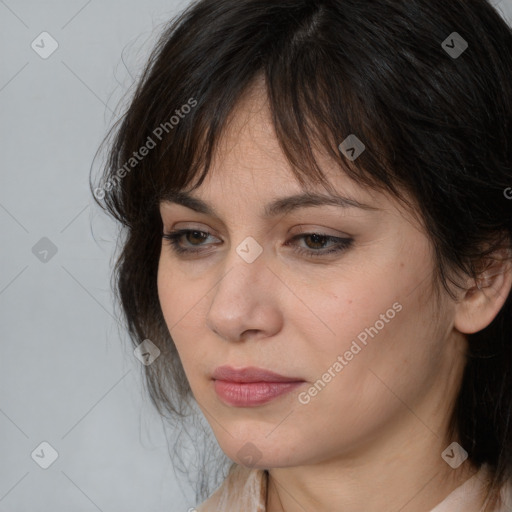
x=244, y=490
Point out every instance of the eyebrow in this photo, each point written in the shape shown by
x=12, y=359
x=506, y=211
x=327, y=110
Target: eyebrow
x=277, y=207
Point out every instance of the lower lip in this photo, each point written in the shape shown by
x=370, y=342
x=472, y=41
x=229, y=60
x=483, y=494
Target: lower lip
x=251, y=394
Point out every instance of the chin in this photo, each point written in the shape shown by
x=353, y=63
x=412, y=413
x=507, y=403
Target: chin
x=262, y=454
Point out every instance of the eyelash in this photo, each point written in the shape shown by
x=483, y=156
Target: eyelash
x=343, y=244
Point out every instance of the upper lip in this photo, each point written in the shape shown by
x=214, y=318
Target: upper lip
x=250, y=374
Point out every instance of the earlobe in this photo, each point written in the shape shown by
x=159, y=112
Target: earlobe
x=482, y=301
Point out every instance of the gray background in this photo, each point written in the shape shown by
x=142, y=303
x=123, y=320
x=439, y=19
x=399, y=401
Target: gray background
x=67, y=373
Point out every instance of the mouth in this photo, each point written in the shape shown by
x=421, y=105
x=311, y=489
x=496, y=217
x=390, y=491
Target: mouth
x=251, y=386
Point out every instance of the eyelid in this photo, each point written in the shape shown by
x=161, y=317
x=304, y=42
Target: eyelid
x=296, y=230
x=342, y=244
x=186, y=227
x=315, y=228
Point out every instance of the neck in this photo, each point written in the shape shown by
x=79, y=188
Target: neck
x=386, y=483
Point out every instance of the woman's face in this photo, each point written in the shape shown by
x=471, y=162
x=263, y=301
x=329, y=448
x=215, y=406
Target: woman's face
x=374, y=355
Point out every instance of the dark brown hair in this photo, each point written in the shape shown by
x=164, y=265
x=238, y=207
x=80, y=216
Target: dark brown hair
x=435, y=125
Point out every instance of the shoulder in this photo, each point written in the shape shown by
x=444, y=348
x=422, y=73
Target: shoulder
x=243, y=489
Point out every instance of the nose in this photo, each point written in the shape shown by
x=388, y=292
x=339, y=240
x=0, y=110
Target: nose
x=245, y=302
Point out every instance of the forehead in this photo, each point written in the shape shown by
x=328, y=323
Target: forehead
x=250, y=169
x=249, y=160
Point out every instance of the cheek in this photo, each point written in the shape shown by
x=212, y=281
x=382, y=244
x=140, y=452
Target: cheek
x=375, y=320
x=354, y=385
x=389, y=343
x=183, y=302
x=177, y=293
x=340, y=310
x=166, y=287
x=175, y=300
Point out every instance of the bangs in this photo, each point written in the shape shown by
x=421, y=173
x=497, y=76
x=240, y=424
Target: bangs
x=315, y=93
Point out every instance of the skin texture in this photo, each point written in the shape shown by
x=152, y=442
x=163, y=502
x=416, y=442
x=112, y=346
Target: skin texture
x=371, y=439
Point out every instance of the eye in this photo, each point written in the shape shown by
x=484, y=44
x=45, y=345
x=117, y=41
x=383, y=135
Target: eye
x=318, y=240
x=174, y=237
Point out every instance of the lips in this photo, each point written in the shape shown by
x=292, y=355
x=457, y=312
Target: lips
x=250, y=374
x=251, y=387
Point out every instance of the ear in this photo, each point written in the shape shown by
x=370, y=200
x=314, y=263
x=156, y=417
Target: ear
x=482, y=301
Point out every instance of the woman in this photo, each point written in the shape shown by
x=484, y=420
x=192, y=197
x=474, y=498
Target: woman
x=315, y=196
